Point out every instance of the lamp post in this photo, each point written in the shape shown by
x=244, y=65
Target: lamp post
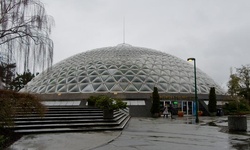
x=195, y=90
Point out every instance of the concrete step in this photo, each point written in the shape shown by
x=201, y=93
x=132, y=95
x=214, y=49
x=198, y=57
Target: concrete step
x=65, y=119
x=79, y=129
x=69, y=119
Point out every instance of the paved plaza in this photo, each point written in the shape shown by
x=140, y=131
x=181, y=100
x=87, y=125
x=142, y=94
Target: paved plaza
x=145, y=134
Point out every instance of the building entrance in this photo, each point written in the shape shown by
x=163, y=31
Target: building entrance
x=187, y=107
x=181, y=105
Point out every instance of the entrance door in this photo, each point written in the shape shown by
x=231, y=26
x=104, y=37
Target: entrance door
x=190, y=107
x=187, y=107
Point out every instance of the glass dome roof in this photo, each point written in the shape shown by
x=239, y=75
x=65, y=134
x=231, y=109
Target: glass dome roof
x=121, y=69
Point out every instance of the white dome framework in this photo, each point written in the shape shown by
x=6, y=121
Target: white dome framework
x=121, y=69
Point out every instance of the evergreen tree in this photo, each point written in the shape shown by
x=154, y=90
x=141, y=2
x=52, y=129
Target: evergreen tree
x=21, y=80
x=212, y=100
x=156, y=102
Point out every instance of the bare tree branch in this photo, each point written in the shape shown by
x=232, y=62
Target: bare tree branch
x=24, y=34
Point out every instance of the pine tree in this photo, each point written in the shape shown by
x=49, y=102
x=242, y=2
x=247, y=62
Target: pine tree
x=212, y=100
x=156, y=102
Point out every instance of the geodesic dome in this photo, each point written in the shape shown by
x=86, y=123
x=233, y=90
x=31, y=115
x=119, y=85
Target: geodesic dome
x=121, y=69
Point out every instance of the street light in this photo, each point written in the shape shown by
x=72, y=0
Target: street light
x=195, y=90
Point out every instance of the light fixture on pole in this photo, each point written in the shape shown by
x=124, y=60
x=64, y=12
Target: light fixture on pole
x=195, y=90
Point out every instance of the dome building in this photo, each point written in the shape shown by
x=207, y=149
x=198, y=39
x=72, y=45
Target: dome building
x=126, y=72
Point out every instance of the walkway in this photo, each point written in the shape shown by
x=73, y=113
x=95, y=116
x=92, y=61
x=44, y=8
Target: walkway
x=144, y=134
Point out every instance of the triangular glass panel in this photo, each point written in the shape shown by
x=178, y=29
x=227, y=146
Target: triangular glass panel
x=112, y=67
x=82, y=86
x=162, y=80
x=52, y=81
x=96, y=85
x=51, y=89
x=147, y=71
x=34, y=89
x=73, y=88
x=62, y=73
x=129, y=72
x=88, y=88
x=184, y=90
x=174, y=88
x=204, y=89
x=110, y=79
x=61, y=80
x=124, y=79
x=97, y=80
x=92, y=67
x=102, y=88
x=131, y=88
x=112, y=71
x=151, y=86
x=71, y=80
x=71, y=73
x=142, y=77
x=135, y=71
x=100, y=71
x=117, y=88
x=92, y=78
x=145, y=88
x=80, y=79
x=117, y=78
x=134, y=67
x=42, y=89
x=94, y=73
x=105, y=73
x=150, y=80
x=136, y=79
x=130, y=78
x=117, y=73
x=61, y=88
x=123, y=71
x=104, y=77
x=123, y=85
x=137, y=85
x=109, y=85
x=164, y=86
x=142, y=73
x=124, y=67
x=83, y=74
x=160, y=89
x=102, y=67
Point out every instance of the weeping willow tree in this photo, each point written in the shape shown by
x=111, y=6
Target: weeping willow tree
x=25, y=28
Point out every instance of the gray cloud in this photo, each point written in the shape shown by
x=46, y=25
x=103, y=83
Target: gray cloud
x=216, y=33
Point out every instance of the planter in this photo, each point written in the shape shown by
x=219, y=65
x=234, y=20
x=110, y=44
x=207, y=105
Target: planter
x=237, y=123
x=108, y=114
x=180, y=114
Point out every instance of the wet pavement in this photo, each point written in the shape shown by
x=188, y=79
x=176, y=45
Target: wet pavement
x=146, y=134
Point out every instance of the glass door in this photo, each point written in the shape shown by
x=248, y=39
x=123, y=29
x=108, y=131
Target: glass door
x=187, y=107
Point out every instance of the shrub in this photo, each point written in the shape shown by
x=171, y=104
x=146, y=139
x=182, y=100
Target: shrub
x=107, y=103
x=236, y=107
x=92, y=100
x=12, y=103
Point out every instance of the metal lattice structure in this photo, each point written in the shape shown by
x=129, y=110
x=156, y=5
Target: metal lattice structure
x=121, y=69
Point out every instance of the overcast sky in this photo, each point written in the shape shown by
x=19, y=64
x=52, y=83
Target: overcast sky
x=215, y=32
